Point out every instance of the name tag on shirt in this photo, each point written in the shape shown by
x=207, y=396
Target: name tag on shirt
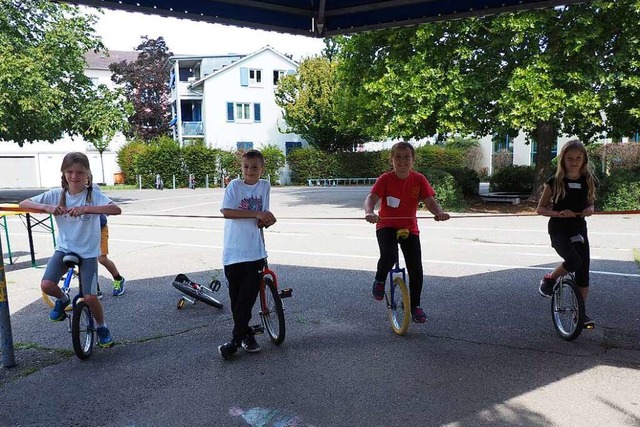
x=574, y=185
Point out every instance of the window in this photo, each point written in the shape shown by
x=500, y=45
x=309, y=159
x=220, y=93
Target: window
x=291, y=145
x=94, y=81
x=243, y=111
x=244, y=145
x=255, y=77
x=277, y=74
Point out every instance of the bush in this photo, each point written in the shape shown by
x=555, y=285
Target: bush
x=126, y=159
x=502, y=159
x=307, y=163
x=620, y=191
x=368, y=164
x=162, y=156
x=437, y=157
x=201, y=161
x=274, y=160
x=467, y=180
x=513, y=179
x=472, y=152
x=448, y=193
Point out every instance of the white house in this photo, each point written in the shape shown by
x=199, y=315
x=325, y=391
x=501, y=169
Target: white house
x=38, y=164
x=228, y=100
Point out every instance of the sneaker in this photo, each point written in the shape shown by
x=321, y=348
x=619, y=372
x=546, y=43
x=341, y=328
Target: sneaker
x=588, y=323
x=418, y=315
x=104, y=337
x=250, y=344
x=546, y=286
x=378, y=290
x=227, y=349
x=57, y=312
x=118, y=287
x=99, y=293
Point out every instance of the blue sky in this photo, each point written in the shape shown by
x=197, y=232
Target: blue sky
x=122, y=30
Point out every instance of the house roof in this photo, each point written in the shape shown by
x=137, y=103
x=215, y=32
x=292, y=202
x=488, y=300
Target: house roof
x=322, y=18
x=101, y=61
x=238, y=62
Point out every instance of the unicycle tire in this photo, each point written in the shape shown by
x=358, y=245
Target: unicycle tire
x=567, y=309
x=399, y=306
x=272, y=311
x=82, y=330
x=203, y=294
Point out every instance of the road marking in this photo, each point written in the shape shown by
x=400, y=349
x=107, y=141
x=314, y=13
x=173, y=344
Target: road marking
x=334, y=255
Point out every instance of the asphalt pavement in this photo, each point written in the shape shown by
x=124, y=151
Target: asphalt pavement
x=488, y=354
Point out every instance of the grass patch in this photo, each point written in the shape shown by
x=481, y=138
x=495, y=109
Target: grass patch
x=119, y=187
x=636, y=257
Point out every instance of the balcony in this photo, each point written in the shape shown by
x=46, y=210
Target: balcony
x=192, y=129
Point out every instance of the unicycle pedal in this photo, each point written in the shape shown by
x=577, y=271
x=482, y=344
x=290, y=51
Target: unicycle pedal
x=285, y=293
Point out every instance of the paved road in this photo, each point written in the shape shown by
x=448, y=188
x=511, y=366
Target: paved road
x=487, y=356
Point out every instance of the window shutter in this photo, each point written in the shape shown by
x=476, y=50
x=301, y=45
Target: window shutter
x=289, y=72
x=229, y=111
x=244, y=76
x=256, y=112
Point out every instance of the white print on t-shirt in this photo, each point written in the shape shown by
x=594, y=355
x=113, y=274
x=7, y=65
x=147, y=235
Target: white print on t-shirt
x=393, y=202
x=574, y=185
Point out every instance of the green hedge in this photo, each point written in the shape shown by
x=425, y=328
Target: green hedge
x=436, y=156
x=513, y=179
x=448, y=193
x=307, y=163
x=166, y=157
x=620, y=190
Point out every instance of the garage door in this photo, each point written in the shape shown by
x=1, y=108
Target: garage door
x=18, y=172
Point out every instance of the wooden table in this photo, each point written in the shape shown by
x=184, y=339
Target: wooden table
x=7, y=209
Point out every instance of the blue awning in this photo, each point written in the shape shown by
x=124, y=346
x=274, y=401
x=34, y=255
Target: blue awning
x=322, y=18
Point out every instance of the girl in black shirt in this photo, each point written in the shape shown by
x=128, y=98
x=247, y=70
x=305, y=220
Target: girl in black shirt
x=568, y=198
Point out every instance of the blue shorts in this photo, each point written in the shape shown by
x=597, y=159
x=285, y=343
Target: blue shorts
x=88, y=272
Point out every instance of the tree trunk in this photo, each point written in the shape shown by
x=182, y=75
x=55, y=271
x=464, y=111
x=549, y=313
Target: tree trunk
x=102, y=164
x=544, y=136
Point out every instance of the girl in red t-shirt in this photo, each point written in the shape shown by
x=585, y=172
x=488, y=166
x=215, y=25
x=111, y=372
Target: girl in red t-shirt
x=400, y=191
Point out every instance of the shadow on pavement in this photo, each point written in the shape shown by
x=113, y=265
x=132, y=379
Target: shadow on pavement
x=489, y=340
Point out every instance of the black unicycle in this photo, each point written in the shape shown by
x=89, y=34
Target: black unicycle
x=567, y=308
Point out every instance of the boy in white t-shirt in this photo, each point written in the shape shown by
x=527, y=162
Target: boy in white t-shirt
x=246, y=210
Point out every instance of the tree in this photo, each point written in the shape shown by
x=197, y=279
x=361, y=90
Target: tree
x=309, y=101
x=146, y=86
x=43, y=89
x=104, y=116
x=545, y=72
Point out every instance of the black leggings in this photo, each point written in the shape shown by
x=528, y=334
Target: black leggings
x=412, y=256
x=244, y=285
x=576, y=256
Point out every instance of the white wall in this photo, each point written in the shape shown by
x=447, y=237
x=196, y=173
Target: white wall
x=225, y=87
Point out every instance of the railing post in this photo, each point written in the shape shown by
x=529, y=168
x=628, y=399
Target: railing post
x=8, y=358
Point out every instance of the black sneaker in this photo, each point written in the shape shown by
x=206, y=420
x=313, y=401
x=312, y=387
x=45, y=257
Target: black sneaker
x=588, y=323
x=250, y=344
x=227, y=349
x=377, y=290
x=546, y=286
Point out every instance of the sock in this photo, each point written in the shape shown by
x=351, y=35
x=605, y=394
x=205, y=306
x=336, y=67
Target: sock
x=118, y=277
x=102, y=325
x=64, y=299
